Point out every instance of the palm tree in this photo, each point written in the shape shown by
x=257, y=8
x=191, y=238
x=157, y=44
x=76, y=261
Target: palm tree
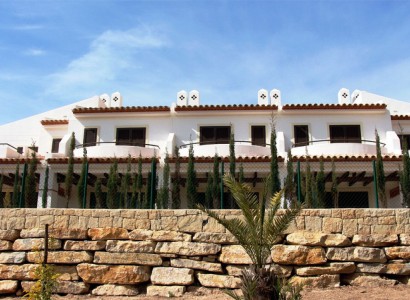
x=257, y=232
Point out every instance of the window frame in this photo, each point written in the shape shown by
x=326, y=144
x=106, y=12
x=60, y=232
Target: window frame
x=141, y=142
x=54, y=140
x=90, y=144
x=214, y=140
x=254, y=140
x=345, y=138
x=295, y=136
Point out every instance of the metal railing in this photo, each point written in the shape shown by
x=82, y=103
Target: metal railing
x=337, y=141
x=15, y=148
x=136, y=144
x=223, y=142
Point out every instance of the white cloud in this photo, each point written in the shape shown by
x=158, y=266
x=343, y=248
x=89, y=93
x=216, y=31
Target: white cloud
x=34, y=52
x=110, y=54
x=26, y=27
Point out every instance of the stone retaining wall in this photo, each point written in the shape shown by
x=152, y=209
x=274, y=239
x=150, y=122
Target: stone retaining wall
x=166, y=252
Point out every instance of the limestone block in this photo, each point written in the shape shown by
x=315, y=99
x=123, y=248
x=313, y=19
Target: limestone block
x=105, y=274
x=172, y=276
x=298, y=255
x=141, y=234
x=6, y=245
x=358, y=279
x=12, y=257
x=165, y=291
x=358, y=254
x=217, y=238
x=143, y=224
x=69, y=233
x=331, y=268
x=405, y=239
x=111, y=233
x=308, y=238
x=8, y=286
x=127, y=258
x=62, y=287
x=115, y=290
x=35, y=244
x=219, y=281
x=395, y=268
x=399, y=252
x=322, y=281
x=198, y=265
x=18, y=272
x=211, y=225
x=349, y=227
x=84, y=245
x=375, y=240
x=282, y=271
x=66, y=273
x=130, y=246
x=332, y=225
x=234, y=254
x=189, y=224
x=187, y=248
x=313, y=223
x=61, y=257
x=32, y=233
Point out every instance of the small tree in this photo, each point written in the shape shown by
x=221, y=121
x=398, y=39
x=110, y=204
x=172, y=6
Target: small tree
x=216, y=183
x=163, y=197
x=405, y=175
x=139, y=182
x=209, y=191
x=334, y=189
x=83, y=176
x=321, y=185
x=289, y=189
x=16, y=186
x=125, y=183
x=1, y=191
x=112, y=186
x=308, y=188
x=45, y=190
x=380, y=178
x=241, y=176
x=274, y=167
x=176, y=182
x=232, y=162
x=99, y=196
x=68, y=183
x=31, y=180
x=134, y=192
x=191, y=179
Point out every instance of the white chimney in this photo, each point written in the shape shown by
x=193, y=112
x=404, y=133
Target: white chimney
x=193, y=99
x=356, y=97
x=105, y=98
x=343, y=97
x=263, y=98
x=275, y=97
x=116, y=99
x=182, y=98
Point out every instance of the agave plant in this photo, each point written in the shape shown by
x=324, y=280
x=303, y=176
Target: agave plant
x=257, y=232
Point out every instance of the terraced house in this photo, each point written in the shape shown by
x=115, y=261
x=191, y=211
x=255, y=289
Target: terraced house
x=340, y=136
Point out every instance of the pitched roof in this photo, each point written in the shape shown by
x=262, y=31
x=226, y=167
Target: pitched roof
x=54, y=122
x=123, y=109
x=345, y=158
x=98, y=160
x=233, y=107
x=312, y=106
x=245, y=159
x=400, y=117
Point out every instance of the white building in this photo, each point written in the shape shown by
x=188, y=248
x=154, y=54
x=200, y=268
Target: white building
x=343, y=132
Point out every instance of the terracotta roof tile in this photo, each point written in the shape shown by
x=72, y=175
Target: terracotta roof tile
x=400, y=117
x=123, y=109
x=54, y=122
x=232, y=107
x=13, y=161
x=332, y=106
x=346, y=158
x=245, y=159
x=97, y=160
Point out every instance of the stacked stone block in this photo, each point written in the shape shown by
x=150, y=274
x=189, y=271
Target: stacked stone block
x=164, y=252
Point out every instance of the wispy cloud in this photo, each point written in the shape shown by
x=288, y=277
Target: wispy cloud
x=110, y=54
x=27, y=27
x=34, y=52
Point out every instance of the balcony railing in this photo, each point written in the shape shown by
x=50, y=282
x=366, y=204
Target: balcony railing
x=223, y=142
x=144, y=145
x=336, y=141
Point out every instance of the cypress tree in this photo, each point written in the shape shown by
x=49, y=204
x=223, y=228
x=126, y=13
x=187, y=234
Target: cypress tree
x=31, y=181
x=334, y=189
x=134, y=192
x=321, y=185
x=163, y=197
x=274, y=167
x=308, y=189
x=289, y=182
x=241, y=176
x=191, y=179
x=209, y=192
x=139, y=182
x=125, y=182
x=68, y=183
x=16, y=186
x=112, y=188
x=83, y=175
x=216, y=183
x=405, y=175
x=1, y=191
x=232, y=163
x=176, y=184
x=98, y=194
x=146, y=202
x=45, y=190
x=380, y=178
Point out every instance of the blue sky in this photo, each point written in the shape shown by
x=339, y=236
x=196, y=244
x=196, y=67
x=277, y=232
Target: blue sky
x=53, y=53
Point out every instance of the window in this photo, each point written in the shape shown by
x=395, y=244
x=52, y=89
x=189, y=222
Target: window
x=131, y=136
x=404, y=138
x=258, y=135
x=214, y=135
x=301, y=134
x=55, y=145
x=345, y=134
x=20, y=150
x=90, y=137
